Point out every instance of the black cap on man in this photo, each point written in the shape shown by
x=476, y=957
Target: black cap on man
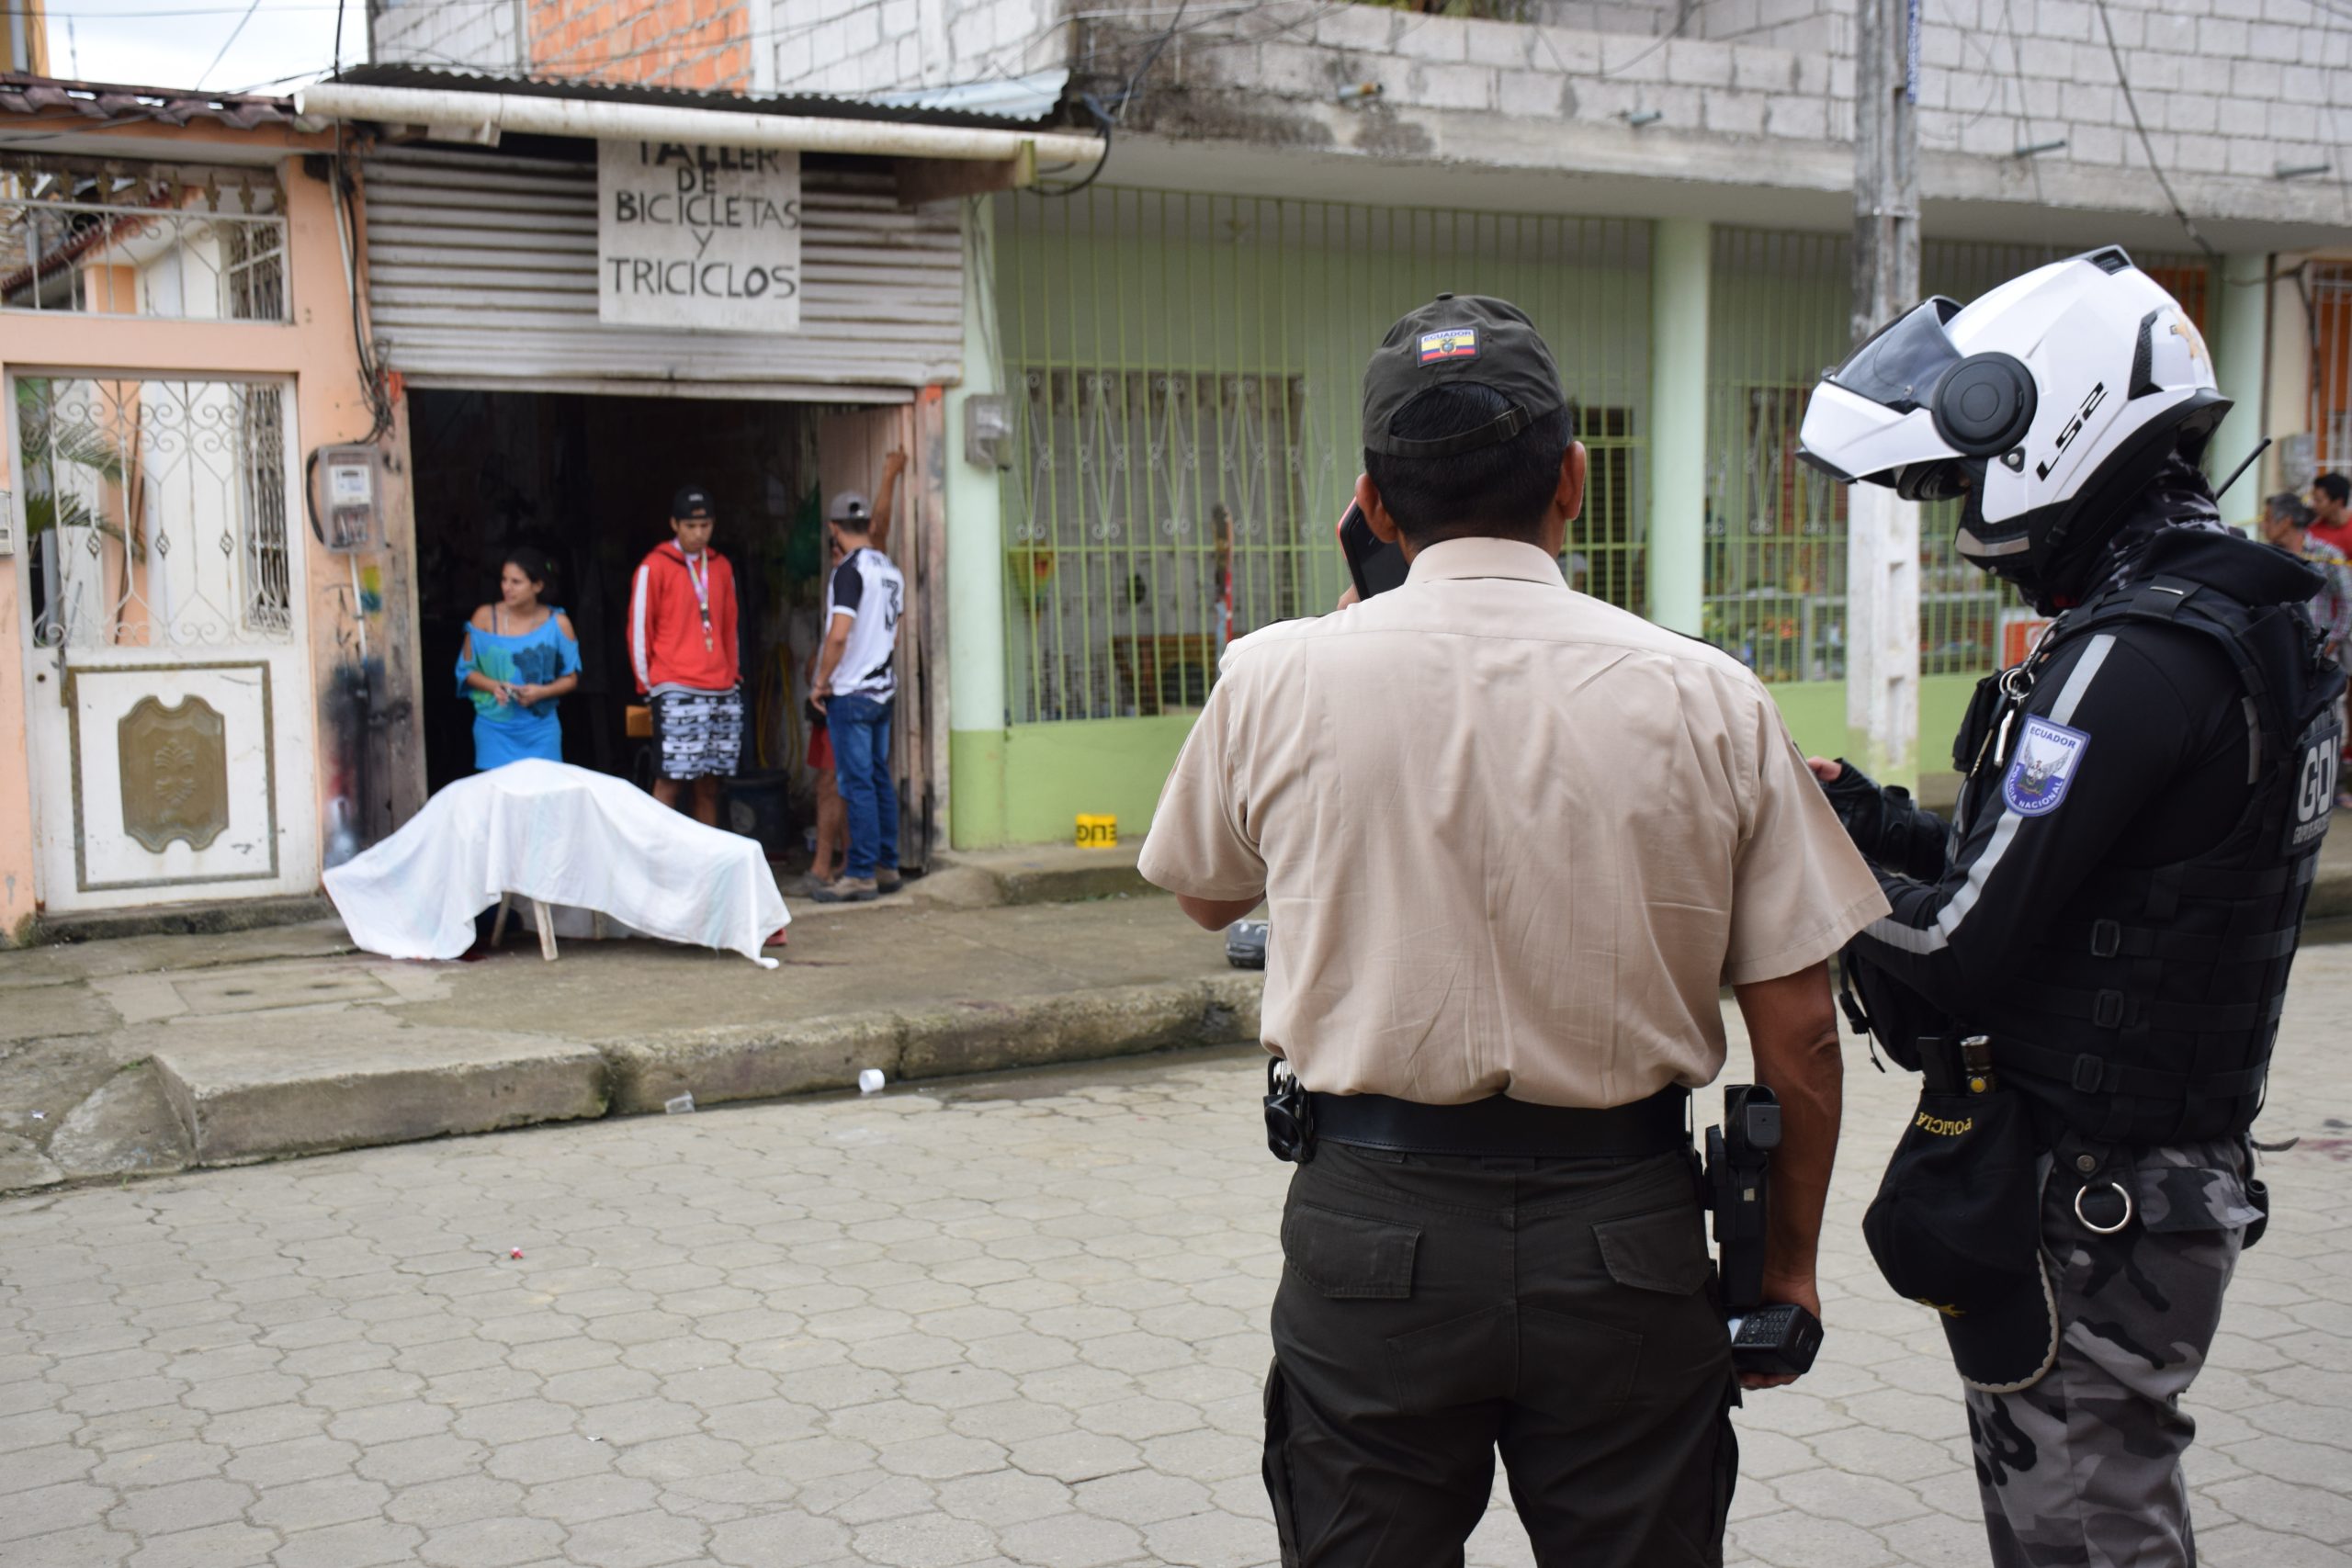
x=1465, y=424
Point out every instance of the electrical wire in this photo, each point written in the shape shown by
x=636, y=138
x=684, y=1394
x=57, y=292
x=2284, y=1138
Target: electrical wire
x=2025, y=111
x=1151, y=58
x=2146, y=144
x=1101, y=118
x=223, y=52
x=1684, y=12
x=1995, y=95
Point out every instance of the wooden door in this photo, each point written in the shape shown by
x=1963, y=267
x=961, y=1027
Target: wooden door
x=851, y=449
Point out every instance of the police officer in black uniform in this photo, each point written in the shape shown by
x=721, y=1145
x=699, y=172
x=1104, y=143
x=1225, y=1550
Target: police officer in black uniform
x=2115, y=906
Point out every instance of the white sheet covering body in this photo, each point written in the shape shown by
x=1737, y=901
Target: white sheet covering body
x=569, y=838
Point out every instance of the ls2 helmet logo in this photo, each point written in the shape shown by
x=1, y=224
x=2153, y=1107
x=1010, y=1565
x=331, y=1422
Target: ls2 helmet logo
x=2074, y=428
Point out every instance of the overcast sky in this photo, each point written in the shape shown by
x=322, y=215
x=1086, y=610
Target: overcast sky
x=171, y=43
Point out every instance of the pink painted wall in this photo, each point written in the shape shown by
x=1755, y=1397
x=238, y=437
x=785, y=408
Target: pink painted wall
x=317, y=349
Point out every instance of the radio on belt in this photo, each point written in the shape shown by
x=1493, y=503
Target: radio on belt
x=347, y=498
x=1776, y=1338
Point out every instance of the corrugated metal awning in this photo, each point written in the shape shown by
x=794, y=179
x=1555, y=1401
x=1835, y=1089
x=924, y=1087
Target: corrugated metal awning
x=1026, y=100
x=481, y=273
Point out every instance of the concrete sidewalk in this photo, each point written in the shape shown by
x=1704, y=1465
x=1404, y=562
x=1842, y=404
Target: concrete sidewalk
x=154, y=1053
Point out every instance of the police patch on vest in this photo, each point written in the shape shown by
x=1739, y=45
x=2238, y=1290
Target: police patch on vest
x=2317, y=753
x=2047, y=757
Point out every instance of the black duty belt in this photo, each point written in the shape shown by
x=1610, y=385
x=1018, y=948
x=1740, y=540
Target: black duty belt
x=1510, y=1128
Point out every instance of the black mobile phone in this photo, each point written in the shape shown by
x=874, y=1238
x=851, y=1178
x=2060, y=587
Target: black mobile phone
x=1375, y=566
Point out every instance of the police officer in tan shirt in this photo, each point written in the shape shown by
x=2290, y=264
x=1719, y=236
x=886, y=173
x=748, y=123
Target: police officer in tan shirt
x=1512, y=841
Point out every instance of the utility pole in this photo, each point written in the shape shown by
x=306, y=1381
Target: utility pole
x=1882, y=530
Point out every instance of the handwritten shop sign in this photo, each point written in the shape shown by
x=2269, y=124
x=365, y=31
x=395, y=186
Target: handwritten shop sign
x=689, y=235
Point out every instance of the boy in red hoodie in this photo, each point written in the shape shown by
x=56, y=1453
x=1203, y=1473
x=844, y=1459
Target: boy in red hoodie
x=682, y=643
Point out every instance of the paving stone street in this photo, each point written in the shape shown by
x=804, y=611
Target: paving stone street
x=1018, y=1319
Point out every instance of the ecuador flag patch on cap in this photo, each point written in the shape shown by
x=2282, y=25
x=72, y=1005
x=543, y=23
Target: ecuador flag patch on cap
x=1449, y=343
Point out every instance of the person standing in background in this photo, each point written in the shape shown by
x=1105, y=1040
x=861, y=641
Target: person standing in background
x=682, y=646
x=2295, y=528
x=828, y=862
x=520, y=655
x=856, y=686
x=2332, y=512
x=2287, y=525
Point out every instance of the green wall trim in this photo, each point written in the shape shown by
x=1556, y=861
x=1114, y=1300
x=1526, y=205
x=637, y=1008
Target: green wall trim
x=976, y=789
x=1027, y=785
x=1814, y=712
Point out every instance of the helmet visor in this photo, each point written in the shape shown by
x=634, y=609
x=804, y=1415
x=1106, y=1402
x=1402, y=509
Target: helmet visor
x=1938, y=481
x=1903, y=359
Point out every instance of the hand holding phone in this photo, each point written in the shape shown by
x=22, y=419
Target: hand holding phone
x=1375, y=566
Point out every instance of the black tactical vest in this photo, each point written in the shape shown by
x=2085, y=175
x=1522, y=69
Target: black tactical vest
x=2155, y=1002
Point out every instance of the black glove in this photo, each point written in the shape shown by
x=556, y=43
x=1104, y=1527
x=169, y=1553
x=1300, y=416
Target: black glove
x=1886, y=825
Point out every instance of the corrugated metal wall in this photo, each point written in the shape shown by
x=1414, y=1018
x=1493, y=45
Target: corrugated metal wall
x=481, y=272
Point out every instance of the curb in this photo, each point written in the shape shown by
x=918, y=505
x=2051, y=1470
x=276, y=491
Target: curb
x=237, y=1107
x=725, y=1065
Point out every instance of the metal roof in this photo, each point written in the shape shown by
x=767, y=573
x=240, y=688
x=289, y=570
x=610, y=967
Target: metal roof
x=113, y=103
x=1027, y=102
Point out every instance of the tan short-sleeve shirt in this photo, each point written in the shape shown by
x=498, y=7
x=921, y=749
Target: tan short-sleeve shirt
x=1512, y=839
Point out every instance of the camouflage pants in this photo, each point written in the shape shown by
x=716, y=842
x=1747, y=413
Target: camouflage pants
x=2083, y=1469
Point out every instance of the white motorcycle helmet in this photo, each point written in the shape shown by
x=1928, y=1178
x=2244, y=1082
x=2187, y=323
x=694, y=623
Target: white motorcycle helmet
x=2048, y=404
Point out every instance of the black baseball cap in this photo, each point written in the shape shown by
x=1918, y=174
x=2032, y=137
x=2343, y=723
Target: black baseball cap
x=692, y=501
x=1459, y=338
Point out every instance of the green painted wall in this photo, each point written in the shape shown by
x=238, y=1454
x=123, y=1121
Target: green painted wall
x=1053, y=772
x=1236, y=286
x=1200, y=293
x=1111, y=765
x=1050, y=772
x=1815, y=712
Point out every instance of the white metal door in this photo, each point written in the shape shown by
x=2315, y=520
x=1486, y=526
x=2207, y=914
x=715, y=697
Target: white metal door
x=168, y=696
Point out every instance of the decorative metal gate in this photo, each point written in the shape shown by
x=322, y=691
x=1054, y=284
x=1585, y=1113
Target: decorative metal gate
x=92, y=235
x=167, y=685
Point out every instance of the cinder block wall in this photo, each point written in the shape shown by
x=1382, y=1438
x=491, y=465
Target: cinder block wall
x=485, y=37
x=853, y=47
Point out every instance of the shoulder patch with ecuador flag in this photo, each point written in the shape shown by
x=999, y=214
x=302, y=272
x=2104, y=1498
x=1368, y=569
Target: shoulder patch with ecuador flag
x=2048, y=756
x=1449, y=343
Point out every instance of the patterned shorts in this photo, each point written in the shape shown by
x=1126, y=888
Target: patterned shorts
x=697, y=734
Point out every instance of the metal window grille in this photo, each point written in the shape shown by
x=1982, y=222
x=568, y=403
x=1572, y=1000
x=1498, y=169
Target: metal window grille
x=253, y=272
x=268, y=579
x=156, y=510
x=1776, y=529
x=1187, y=373
x=190, y=245
x=2329, y=288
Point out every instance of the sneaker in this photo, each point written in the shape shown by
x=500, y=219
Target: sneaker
x=887, y=880
x=846, y=891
